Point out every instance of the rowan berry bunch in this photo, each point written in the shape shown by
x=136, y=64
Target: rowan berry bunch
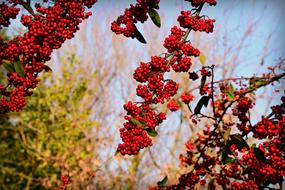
x=7, y=13
x=126, y=24
x=24, y=57
x=219, y=158
x=155, y=89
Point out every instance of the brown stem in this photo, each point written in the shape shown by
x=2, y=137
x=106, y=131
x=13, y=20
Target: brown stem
x=28, y=7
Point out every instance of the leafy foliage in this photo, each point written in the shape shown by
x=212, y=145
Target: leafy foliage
x=50, y=137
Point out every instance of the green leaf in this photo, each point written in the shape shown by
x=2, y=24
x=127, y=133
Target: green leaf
x=19, y=69
x=229, y=160
x=162, y=182
x=226, y=151
x=238, y=141
x=202, y=102
x=230, y=92
x=139, y=36
x=203, y=81
x=179, y=103
x=202, y=58
x=8, y=66
x=154, y=5
x=136, y=122
x=259, y=154
x=154, y=17
x=47, y=68
x=151, y=132
x=231, y=96
x=259, y=82
x=116, y=153
x=247, y=171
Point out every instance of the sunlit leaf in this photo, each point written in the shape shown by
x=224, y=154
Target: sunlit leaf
x=136, y=122
x=230, y=92
x=229, y=160
x=202, y=58
x=154, y=17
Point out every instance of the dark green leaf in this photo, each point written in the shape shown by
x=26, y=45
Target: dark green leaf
x=47, y=68
x=162, y=182
x=153, y=5
x=259, y=154
x=239, y=141
x=203, y=81
x=154, y=17
x=226, y=151
x=139, y=37
x=151, y=132
x=19, y=69
x=202, y=102
x=247, y=171
x=9, y=67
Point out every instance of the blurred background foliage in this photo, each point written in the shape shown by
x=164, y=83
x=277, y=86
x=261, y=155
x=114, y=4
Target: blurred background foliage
x=51, y=136
x=71, y=123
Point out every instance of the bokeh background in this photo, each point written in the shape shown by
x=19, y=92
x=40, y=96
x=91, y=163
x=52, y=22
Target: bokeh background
x=71, y=123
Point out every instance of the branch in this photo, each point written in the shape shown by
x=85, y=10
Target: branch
x=28, y=7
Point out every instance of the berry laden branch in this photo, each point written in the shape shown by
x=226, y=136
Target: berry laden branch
x=24, y=57
x=154, y=89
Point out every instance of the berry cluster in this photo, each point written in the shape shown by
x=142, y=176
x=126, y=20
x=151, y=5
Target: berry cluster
x=125, y=24
x=187, y=97
x=172, y=105
x=7, y=13
x=244, y=104
x=195, y=23
x=24, y=56
x=240, y=166
x=139, y=120
x=154, y=88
